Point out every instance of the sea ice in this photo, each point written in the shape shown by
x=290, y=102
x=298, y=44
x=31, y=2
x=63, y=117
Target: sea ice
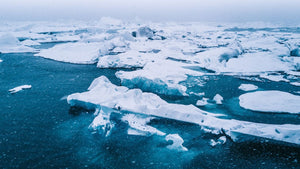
x=202, y=102
x=102, y=93
x=81, y=53
x=10, y=44
x=177, y=142
x=218, y=99
x=161, y=77
x=248, y=87
x=271, y=101
x=138, y=125
x=19, y=88
x=275, y=78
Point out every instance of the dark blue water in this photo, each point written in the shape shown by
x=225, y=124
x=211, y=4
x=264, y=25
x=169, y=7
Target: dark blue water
x=38, y=130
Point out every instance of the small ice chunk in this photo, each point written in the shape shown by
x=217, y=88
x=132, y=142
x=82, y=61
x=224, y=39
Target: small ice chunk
x=19, y=88
x=271, y=101
x=1, y=60
x=202, y=102
x=221, y=140
x=248, y=87
x=177, y=142
x=218, y=99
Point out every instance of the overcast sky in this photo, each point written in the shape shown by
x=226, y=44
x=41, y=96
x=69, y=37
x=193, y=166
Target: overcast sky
x=155, y=10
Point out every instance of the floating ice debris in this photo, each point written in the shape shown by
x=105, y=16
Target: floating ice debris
x=218, y=99
x=1, y=60
x=19, y=88
x=248, y=87
x=221, y=140
x=271, y=101
x=102, y=122
x=177, y=142
x=202, y=102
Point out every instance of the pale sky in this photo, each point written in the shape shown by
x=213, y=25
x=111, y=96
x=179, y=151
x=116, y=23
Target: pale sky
x=154, y=10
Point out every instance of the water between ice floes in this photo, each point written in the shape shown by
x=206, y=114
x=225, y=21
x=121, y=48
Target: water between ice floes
x=38, y=132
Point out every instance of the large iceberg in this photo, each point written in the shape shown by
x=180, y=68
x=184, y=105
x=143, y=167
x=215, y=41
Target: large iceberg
x=102, y=93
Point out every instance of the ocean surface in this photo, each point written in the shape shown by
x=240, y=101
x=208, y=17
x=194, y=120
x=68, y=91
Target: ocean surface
x=40, y=130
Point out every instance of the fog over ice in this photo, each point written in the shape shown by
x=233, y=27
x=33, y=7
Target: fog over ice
x=282, y=11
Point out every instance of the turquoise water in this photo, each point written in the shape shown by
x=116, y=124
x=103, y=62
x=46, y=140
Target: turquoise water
x=40, y=130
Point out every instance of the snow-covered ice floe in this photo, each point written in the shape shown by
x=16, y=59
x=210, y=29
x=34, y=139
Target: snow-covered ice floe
x=248, y=87
x=19, y=88
x=271, y=101
x=81, y=53
x=104, y=95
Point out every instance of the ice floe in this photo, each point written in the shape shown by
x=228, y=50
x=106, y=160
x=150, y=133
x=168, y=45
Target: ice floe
x=81, y=53
x=102, y=93
x=202, y=102
x=19, y=88
x=177, y=142
x=218, y=99
x=271, y=101
x=248, y=87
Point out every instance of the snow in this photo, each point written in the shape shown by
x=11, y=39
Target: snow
x=80, y=53
x=218, y=99
x=19, y=88
x=102, y=93
x=271, y=101
x=248, y=87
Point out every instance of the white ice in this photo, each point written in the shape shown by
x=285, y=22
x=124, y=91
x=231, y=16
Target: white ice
x=19, y=88
x=202, y=102
x=81, y=53
x=177, y=142
x=248, y=87
x=271, y=101
x=10, y=44
x=107, y=95
x=218, y=99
